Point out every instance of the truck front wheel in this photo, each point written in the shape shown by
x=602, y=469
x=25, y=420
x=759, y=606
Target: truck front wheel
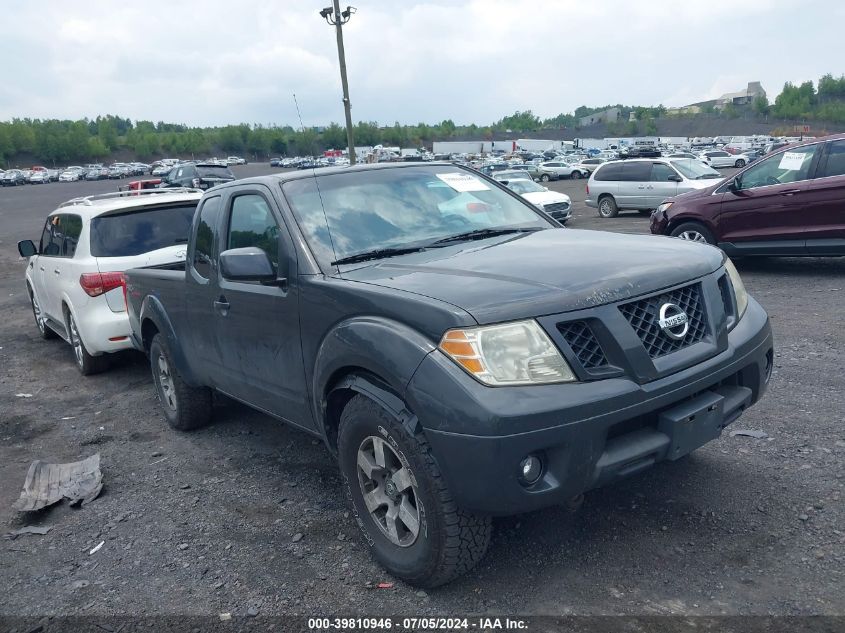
x=185, y=407
x=401, y=502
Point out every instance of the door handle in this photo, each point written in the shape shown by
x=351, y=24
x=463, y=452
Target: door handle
x=221, y=306
x=790, y=192
x=57, y=271
x=41, y=268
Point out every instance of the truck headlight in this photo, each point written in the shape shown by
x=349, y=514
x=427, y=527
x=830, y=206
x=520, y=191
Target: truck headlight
x=740, y=294
x=663, y=207
x=518, y=353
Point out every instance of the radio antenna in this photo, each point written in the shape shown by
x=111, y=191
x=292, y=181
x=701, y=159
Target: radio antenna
x=316, y=182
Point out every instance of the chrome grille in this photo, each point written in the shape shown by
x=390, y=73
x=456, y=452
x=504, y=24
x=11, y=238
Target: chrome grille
x=584, y=344
x=644, y=314
x=557, y=206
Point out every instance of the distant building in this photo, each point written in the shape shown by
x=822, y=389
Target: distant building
x=688, y=109
x=610, y=115
x=743, y=97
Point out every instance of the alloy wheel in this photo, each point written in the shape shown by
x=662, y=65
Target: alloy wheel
x=75, y=341
x=692, y=236
x=389, y=490
x=165, y=381
x=36, y=311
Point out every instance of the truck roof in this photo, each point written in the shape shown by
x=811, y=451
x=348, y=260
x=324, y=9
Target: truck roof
x=327, y=171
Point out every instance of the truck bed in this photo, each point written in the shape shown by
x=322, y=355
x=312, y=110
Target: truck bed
x=163, y=283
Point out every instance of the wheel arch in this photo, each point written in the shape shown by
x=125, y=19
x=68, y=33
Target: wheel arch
x=351, y=381
x=154, y=320
x=675, y=222
x=370, y=356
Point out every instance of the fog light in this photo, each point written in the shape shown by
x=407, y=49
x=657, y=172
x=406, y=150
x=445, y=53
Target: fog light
x=530, y=469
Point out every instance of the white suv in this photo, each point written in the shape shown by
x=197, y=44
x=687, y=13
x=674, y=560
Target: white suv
x=720, y=158
x=75, y=274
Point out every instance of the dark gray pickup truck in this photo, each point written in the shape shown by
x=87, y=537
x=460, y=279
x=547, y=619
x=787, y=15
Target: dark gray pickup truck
x=459, y=353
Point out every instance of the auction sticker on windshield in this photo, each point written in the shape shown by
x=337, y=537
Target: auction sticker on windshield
x=463, y=182
x=792, y=161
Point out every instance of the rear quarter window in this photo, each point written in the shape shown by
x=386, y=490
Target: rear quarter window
x=141, y=230
x=608, y=172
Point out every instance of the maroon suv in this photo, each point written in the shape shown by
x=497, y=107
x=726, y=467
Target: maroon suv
x=791, y=202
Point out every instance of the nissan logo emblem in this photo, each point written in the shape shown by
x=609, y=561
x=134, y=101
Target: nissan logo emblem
x=673, y=321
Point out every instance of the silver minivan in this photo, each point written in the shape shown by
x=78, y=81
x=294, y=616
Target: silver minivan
x=642, y=184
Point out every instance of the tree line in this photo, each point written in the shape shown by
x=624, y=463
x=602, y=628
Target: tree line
x=63, y=141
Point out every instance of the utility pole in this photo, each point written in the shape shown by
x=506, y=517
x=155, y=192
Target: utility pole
x=337, y=18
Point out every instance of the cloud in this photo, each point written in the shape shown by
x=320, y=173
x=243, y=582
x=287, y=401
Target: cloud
x=216, y=62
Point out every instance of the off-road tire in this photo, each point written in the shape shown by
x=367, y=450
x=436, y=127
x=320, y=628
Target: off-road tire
x=450, y=541
x=192, y=408
x=607, y=207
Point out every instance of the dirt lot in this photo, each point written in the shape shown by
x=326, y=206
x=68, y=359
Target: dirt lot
x=204, y=523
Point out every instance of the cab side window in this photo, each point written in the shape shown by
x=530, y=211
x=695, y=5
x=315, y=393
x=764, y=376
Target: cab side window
x=53, y=237
x=203, y=260
x=251, y=223
x=661, y=172
x=46, y=236
x=72, y=225
x=780, y=169
x=835, y=161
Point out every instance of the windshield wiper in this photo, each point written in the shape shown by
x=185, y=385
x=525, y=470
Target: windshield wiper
x=379, y=253
x=480, y=234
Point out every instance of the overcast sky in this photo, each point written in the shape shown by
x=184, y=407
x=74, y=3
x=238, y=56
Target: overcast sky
x=218, y=62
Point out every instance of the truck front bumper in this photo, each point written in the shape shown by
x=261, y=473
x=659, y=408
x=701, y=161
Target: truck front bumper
x=586, y=435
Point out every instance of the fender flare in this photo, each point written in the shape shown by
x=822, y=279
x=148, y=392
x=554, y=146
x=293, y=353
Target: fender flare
x=345, y=359
x=153, y=310
x=386, y=399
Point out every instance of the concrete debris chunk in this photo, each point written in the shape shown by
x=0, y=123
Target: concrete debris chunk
x=47, y=484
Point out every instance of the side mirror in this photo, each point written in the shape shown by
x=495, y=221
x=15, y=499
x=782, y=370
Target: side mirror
x=735, y=184
x=247, y=264
x=27, y=248
x=675, y=178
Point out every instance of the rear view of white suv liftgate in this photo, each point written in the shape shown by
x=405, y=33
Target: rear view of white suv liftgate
x=74, y=277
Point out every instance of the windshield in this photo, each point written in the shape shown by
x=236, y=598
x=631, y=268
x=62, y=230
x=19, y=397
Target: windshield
x=357, y=212
x=213, y=171
x=521, y=185
x=141, y=231
x=695, y=169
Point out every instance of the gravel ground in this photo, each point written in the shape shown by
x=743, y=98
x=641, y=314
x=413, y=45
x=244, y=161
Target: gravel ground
x=247, y=515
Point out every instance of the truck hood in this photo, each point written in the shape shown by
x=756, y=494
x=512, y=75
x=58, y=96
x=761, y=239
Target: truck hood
x=547, y=272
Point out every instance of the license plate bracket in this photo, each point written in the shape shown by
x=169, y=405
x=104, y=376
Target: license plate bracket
x=692, y=423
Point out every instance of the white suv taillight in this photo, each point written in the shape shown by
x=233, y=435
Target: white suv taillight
x=96, y=284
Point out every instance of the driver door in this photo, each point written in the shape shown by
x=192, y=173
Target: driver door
x=257, y=326
x=767, y=206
